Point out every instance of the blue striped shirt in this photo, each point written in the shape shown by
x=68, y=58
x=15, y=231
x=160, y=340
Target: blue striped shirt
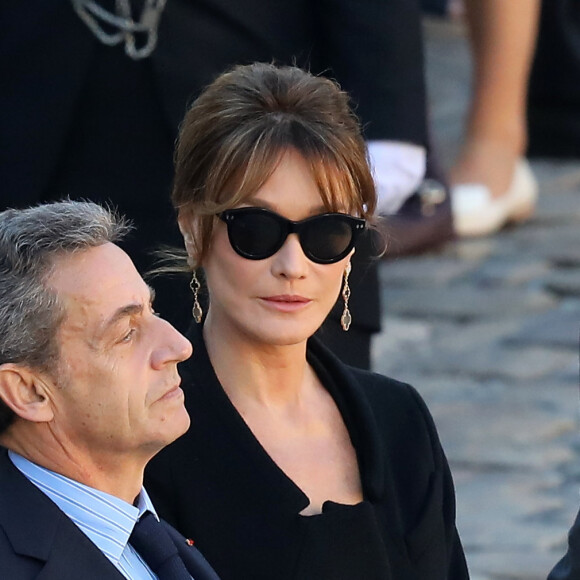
x=107, y=520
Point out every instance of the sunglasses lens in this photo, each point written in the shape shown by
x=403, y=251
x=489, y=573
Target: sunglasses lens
x=327, y=239
x=255, y=235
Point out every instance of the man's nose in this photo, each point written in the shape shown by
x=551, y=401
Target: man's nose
x=172, y=347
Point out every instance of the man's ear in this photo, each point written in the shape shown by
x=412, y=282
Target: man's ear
x=24, y=391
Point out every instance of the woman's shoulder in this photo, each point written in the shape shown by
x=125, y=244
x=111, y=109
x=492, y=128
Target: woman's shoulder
x=374, y=381
x=384, y=389
x=389, y=397
x=396, y=405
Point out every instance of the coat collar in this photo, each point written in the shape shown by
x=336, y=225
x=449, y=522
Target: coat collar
x=350, y=388
x=45, y=533
x=246, y=456
x=342, y=382
x=38, y=529
x=342, y=385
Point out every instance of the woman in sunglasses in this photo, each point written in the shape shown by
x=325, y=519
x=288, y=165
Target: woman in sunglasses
x=296, y=466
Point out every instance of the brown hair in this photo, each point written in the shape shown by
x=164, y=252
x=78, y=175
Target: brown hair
x=236, y=131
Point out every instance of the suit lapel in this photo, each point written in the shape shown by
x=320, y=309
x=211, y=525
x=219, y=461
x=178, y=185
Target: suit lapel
x=37, y=528
x=73, y=556
x=194, y=561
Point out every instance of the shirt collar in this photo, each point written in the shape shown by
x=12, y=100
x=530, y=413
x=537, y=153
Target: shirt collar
x=107, y=520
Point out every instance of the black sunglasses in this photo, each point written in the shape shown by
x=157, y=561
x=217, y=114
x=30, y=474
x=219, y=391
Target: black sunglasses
x=256, y=233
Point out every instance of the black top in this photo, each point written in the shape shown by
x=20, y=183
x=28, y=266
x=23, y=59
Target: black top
x=217, y=485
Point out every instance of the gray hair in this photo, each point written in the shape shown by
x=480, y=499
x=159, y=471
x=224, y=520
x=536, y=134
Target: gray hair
x=31, y=241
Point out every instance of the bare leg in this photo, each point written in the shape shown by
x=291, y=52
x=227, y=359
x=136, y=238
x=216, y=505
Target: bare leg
x=502, y=34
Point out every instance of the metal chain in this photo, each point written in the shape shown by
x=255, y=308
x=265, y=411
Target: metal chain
x=93, y=15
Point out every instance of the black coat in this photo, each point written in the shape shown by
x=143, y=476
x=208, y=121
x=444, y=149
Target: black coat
x=38, y=541
x=568, y=568
x=217, y=485
x=553, y=107
x=81, y=119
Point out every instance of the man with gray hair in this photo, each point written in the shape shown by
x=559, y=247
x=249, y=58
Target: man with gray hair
x=89, y=392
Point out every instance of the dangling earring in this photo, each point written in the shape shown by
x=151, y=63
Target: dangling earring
x=346, y=318
x=196, y=310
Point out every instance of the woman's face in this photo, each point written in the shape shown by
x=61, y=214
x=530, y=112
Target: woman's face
x=283, y=299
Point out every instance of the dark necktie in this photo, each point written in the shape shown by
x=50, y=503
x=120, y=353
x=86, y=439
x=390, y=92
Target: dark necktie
x=154, y=545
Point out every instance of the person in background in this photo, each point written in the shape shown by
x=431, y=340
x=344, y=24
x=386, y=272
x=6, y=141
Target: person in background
x=89, y=392
x=492, y=183
x=554, y=113
x=317, y=469
x=554, y=92
x=96, y=90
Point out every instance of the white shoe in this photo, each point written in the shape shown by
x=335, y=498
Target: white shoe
x=477, y=213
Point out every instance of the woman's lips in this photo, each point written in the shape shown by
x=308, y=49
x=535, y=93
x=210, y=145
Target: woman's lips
x=286, y=303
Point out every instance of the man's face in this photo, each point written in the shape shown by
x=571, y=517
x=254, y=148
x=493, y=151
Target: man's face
x=116, y=389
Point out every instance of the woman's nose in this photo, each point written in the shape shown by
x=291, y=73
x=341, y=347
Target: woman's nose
x=290, y=261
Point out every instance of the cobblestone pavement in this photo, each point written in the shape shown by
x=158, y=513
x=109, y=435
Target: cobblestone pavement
x=488, y=332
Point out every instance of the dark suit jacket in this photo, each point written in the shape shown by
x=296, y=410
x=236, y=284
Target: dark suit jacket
x=81, y=119
x=217, y=485
x=568, y=568
x=554, y=85
x=38, y=541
